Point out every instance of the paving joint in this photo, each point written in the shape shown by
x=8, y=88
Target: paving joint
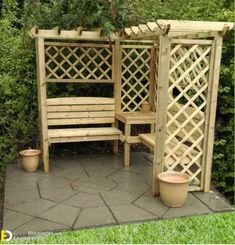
x=76, y=218
x=115, y=171
x=38, y=188
x=116, y=220
x=145, y=210
x=162, y=216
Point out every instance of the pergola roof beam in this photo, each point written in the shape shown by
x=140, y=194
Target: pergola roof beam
x=191, y=26
x=71, y=34
x=152, y=30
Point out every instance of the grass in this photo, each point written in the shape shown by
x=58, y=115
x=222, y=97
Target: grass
x=214, y=228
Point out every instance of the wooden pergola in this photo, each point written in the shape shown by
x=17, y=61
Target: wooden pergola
x=165, y=74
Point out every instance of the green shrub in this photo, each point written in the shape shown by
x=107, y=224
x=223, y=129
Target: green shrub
x=18, y=100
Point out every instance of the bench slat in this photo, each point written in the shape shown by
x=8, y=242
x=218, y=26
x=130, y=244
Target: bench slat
x=67, y=108
x=149, y=140
x=71, y=132
x=80, y=101
x=89, y=114
x=74, y=121
x=85, y=138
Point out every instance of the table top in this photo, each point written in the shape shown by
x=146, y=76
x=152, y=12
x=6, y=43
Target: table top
x=139, y=117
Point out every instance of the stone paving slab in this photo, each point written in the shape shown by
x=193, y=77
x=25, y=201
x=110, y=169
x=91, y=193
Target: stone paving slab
x=34, y=207
x=214, y=200
x=192, y=206
x=91, y=217
x=130, y=213
x=85, y=200
x=74, y=173
x=55, y=188
x=13, y=219
x=135, y=187
x=99, y=171
x=152, y=205
x=18, y=197
x=126, y=176
x=118, y=197
x=91, y=190
x=94, y=185
x=62, y=214
x=39, y=225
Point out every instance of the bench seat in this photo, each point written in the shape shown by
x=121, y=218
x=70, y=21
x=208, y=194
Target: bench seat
x=149, y=141
x=84, y=134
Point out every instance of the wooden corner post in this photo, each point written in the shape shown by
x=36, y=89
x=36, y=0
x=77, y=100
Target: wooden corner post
x=42, y=100
x=211, y=110
x=161, y=109
x=116, y=76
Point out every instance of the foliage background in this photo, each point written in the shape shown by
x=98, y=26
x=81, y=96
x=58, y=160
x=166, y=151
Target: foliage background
x=18, y=100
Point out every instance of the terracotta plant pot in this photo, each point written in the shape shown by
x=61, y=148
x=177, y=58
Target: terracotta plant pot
x=30, y=159
x=173, y=188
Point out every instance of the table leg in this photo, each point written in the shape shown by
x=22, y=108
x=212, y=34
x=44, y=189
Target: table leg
x=115, y=142
x=152, y=131
x=127, y=145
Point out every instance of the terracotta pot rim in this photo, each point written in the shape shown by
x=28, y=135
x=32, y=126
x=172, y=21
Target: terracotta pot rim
x=178, y=174
x=30, y=152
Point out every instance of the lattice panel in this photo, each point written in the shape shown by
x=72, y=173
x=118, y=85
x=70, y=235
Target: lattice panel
x=75, y=62
x=135, y=78
x=187, y=100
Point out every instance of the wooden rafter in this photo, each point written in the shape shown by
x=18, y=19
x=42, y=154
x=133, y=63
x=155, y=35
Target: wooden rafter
x=150, y=30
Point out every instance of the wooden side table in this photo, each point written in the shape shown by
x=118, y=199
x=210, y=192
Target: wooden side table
x=134, y=118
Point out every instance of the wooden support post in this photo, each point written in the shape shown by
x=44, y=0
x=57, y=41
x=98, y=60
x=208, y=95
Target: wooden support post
x=211, y=111
x=115, y=142
x=207, y=114
x=116, y=77
x=161, y=110
x=117, y=74
x=42, y=99
x=152, y=78
x=152, y=131
x=127, y=145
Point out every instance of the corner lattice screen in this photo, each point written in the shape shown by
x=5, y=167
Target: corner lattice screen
x=189, y=68
x=78, y=62
x=135, y=78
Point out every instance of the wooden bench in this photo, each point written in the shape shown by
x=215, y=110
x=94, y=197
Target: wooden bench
x=195, y=124
x=67, y=117
x=149, y=141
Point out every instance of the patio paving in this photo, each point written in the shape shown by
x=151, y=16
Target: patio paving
x=91, y=190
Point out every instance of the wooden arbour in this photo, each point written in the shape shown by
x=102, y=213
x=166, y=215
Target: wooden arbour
x=170, y=66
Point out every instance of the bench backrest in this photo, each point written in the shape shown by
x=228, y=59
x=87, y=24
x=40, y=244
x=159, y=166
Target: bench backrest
x=80, y=110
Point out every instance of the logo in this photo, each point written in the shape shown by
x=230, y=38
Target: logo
x=5, y=235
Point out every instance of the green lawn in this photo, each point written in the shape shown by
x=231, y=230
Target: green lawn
x=215, y=228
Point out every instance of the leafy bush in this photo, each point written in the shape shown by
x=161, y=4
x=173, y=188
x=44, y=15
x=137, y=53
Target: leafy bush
x=18, y=101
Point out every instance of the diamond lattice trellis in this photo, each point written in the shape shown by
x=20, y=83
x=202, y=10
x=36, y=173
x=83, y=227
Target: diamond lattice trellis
x=135, y=78
x=73, y=62
x=188, y=83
